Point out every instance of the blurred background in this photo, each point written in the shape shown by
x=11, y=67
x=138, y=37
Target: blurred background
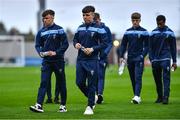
x=21, y=19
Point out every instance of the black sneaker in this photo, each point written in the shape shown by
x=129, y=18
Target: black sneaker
x=36, y=108
x=48, y=101
x=165, y=100
x=100, y=99
x=159, y=100
x=56, y=101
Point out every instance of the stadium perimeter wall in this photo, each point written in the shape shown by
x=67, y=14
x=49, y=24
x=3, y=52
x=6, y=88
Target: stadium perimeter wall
x=32, y=57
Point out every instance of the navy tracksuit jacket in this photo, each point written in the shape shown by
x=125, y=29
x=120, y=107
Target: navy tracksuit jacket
x=162, y=47
x=52, y=38
x=89, y=36
x=135, y=41
x=103, y=61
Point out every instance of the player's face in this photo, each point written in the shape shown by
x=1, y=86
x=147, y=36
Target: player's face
x=98, y=21
x=160, y=24
x=48, y=20
x=135, y=22
x=88, y=17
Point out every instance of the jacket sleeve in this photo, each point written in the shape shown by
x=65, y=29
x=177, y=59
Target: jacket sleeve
x=173, y=48
x=38, y=43
x=145, y=44
x=64, y=45
x=107, y=50
x=75, y=40
x=123, y=46
x=103, y=40
x=150, y=47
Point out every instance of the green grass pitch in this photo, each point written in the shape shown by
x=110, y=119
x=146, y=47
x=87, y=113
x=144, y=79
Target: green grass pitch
x=18, y=90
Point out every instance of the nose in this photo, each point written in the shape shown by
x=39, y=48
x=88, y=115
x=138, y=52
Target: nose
x=135, y=22
x=84, y=16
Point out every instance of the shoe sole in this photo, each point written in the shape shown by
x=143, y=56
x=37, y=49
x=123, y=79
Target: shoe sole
x=62, y=111
x=88, y=114
x=35, y=110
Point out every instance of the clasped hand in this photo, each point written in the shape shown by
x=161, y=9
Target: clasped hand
x=87, y=51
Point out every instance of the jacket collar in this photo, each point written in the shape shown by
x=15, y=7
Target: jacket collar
x=163, y=29
x=136, y=28
x=49, y=26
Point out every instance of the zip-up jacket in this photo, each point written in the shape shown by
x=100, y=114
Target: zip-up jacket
x=135, y=41
x=90, y=36
x=52, y=38
x=162, y=45
x=104, y=52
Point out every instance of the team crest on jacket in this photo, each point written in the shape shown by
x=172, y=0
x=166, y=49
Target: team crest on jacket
x=54, y=36
x=92, y=72
x=92, y=34
x=139, y=35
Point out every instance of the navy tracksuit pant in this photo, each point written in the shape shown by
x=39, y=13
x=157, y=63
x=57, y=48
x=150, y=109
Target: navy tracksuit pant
x=86, y=77
x=161, y=73
x=135, y=69
x=57, y=93
x=101, y=76
x=46, y=72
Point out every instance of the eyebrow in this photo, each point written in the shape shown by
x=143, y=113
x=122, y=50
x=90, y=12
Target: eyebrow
x=86, y=14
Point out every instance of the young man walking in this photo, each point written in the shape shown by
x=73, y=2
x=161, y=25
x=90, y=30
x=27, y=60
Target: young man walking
x=135, y=41
x=162, y=49
x=103, y=60
x=51, y=44
x=89, y=40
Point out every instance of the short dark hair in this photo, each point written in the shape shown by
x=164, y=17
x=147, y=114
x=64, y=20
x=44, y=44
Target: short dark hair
x=161, y=17
x=136, y=15
x=88, y=9
x=96, y=16
x=48, y=12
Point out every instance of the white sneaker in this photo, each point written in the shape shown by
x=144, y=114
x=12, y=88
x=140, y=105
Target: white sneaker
x=88, y=111
x=62, y=108
x=36, y=108
x=136, y=100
